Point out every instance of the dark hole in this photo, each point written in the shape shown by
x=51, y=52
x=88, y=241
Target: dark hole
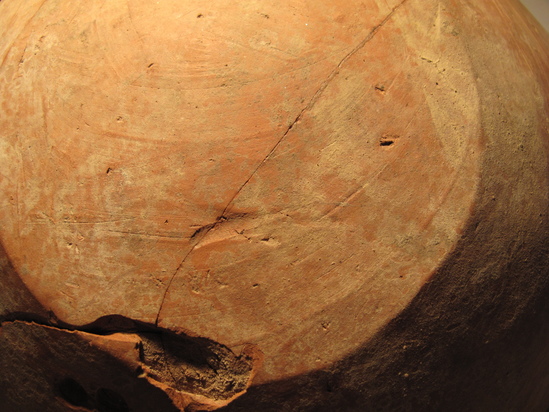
x=72, y=392
x=386, y=142
x=110, y=401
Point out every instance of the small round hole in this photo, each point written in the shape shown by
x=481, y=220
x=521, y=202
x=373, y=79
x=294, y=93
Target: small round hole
x=72, y=392
x=110, y=401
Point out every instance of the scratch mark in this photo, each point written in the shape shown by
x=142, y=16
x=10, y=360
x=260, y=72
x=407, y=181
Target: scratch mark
x=130, y=16
x=335, y=266
x=147, y=235
x=22, y=58
x=414, y=114
x=203, y=233
x=315, y=98
x=21, y=32
x=352, y=195
x=108, y=53
x=250, y=47
x=18, y=211
x=287, y=72
x=398, y=74
x=96, y=222
x=198, y=236
x=45, y=114
x=446, y=194
x=438, y=22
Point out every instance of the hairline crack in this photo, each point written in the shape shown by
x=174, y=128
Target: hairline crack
x=308, y=107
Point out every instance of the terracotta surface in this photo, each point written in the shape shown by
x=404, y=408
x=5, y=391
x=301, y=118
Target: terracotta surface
x=334, y=205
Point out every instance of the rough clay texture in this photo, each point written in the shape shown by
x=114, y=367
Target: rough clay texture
x=286, y=206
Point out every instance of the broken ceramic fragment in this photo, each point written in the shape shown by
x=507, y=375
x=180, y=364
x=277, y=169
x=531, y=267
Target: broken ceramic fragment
x=292, y=206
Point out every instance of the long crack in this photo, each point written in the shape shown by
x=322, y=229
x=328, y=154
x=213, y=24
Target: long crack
x=203, y=232
x=196, y=365
x=313, y=100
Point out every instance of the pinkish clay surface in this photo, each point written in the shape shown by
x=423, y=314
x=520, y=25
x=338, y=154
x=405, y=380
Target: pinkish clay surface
x=295, y=206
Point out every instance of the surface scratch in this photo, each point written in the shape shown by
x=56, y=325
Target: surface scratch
x=29, y=21
x=199, y=236
x=315, y=98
